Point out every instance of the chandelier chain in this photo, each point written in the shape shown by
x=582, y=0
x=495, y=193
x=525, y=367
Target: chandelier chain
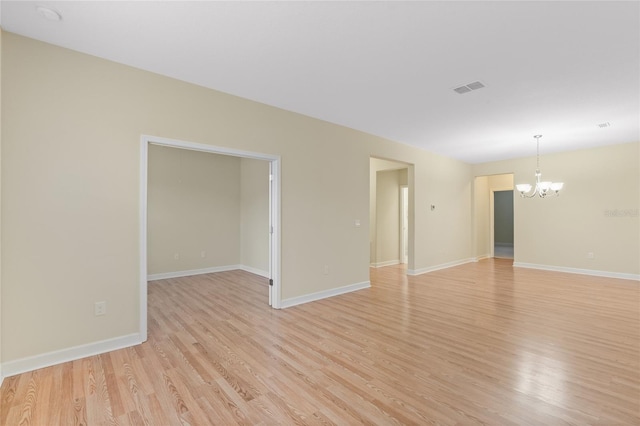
x=537, y=153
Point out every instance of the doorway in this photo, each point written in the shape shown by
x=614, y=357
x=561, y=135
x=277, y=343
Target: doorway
x=503, y=224
x=485, y=188
x=274, y=214
x=390, y=212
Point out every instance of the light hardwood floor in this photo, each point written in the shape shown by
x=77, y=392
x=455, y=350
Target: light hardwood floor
x=481, y=343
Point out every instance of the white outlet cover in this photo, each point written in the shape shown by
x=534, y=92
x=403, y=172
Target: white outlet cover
x=100, y=308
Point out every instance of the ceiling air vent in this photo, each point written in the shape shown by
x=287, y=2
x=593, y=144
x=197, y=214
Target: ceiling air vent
x=469, y=87
x=462, y=89
x=605, y=124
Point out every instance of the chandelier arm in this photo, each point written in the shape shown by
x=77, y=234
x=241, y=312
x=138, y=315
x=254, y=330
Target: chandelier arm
x=531, y=193
x=537, y=153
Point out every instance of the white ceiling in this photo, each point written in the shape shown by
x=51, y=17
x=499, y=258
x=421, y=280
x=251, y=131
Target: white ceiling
x=387, y=68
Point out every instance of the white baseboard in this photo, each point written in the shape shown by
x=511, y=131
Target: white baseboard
x=11, y=368
x=191, y=272
x=441, y=266
x=256, y=271
x=386, y=263
x=483, y=256
x=188, y=273
x=287, y=303
x=595, y=273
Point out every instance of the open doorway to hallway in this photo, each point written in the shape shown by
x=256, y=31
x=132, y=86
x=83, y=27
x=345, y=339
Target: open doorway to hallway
x=503, y=224
x=390, y=216
x=494, y=216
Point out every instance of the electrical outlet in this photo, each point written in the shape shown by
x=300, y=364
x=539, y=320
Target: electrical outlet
x=203, y=254
x=176, y=256
x=590, y=255
x=100, y=308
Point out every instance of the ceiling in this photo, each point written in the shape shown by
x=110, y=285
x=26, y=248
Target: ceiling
x=387, y=68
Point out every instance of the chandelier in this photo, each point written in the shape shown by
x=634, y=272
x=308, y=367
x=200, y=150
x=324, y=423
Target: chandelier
x=542, y=188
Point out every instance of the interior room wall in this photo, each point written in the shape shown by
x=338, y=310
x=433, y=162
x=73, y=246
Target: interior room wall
x=71, y=200
x=193, y=210
x=254, y=215
x=501, y=182
x=404, y=177
x=597, y=211
x=388, y=218
x=442, y=194
x=481, y=217
x=1, y=376
x=373, y=220
x=503, y=217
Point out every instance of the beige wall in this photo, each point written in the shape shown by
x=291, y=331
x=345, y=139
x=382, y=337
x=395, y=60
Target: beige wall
x=70, y=194
x=500, y=182
x=193, y=210
x=254, y=215
x=70, y=199
x=596, y=212
x=384, y=230
x=388, y=217
x=211, y=210
x=1, y=376
x=481, y=230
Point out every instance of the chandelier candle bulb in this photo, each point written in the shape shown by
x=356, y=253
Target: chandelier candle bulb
x=542, y=188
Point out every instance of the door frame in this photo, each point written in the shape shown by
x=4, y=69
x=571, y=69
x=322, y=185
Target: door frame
x=274, y=213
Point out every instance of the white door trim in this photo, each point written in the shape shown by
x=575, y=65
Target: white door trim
x=274, y=214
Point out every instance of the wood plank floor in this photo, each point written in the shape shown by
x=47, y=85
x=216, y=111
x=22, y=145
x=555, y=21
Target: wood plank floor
x=481, y=343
